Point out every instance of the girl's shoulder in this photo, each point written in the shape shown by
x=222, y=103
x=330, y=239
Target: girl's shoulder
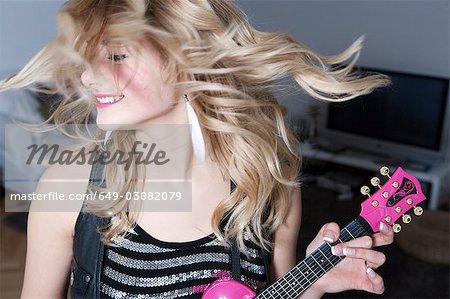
x=61, y=190
x=50, y=226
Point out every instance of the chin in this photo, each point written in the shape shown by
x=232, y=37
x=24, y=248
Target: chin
x=116, y=125
x=110, y=127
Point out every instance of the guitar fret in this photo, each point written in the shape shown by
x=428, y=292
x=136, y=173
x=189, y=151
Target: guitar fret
x=346, y=235
x=297, y=272
x=318, y=263
x=287, y=284
x=305, y=273
x=272, y=292
x=311, y=270
x=339, y=258
x=349, y=233
x=296, y=282
x=301, y=272
x=325, y=256
x=332, y=259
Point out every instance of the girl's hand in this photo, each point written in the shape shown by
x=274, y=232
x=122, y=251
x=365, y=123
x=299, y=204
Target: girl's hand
x=356, y=271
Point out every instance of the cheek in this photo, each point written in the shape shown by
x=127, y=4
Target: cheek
x=146, y=87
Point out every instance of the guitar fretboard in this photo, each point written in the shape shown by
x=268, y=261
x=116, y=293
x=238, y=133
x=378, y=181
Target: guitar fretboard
x=314, y=266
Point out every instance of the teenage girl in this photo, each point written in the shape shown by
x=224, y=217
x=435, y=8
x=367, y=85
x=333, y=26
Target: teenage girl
x=196, y=62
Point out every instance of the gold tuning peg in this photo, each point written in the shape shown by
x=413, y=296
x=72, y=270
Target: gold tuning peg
x=397, y=227
x=385, y=171
x=418, y=210
x=406, y=218
x=365, y=190
x=375, y=182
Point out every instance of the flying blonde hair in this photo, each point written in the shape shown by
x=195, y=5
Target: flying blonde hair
x=211, y=52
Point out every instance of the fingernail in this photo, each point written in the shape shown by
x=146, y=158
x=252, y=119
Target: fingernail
x=370, y=272
x=328, y=237
x=333, y=251
x=382, y=226
x=349, y=251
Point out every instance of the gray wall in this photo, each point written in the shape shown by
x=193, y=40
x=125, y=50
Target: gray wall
x=25, y=27
x=408, y=36
x=411, y=36
x=402, y=35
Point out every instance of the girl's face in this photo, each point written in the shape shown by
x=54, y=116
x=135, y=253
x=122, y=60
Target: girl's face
x=129, y=89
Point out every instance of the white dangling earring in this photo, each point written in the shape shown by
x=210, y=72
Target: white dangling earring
x=198, y=143
x=107, y=134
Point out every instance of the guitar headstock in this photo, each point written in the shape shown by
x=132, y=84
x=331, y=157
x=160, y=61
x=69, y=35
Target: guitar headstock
x=401, y=193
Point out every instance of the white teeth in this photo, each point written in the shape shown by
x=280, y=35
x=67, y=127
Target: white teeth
x=107, y=100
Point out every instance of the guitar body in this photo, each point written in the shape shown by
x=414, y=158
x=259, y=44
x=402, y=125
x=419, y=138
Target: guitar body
x=227, y=288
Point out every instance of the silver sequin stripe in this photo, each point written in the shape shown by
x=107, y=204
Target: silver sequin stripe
x=167, y=263
x=179, y=261
x=116, y=294
x=252, y=267
x=254, y=253
x=139, y=247
x=161, y=280
x=151, y=248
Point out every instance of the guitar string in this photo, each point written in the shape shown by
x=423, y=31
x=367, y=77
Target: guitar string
x=301, y=269
x=314, y=269
x=315, y=266
x=321, y=269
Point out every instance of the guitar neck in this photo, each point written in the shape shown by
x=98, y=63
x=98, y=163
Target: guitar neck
x=315, y=265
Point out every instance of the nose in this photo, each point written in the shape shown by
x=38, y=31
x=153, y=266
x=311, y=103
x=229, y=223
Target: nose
x=87, y=77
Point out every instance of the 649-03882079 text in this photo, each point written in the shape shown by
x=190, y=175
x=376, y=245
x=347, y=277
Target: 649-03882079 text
x=137, y=195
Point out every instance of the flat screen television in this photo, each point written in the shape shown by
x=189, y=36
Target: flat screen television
x=407, y=121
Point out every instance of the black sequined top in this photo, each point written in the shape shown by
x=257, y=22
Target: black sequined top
x=145, y=267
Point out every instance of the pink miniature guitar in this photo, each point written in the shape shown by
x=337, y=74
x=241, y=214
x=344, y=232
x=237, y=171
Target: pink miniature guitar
x=398, y=195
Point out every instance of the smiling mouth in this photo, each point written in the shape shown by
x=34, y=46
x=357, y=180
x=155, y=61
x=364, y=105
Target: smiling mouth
x=109, y=100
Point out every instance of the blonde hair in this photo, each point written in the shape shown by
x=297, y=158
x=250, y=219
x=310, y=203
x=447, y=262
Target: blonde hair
x=211, y=52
